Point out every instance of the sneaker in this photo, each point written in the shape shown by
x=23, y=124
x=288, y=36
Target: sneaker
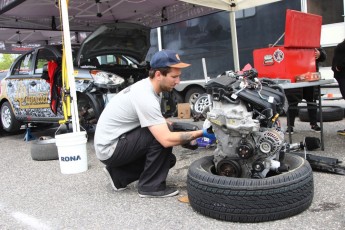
x=289, y=129
x=316, y=128
x=341, y=132
x=107, y=173
x=168, y=192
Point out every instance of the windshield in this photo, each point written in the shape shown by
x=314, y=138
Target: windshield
x=109, y=60
x=75, y=49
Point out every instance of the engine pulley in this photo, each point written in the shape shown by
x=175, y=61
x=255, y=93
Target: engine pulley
x=229, y=168
x=245, y=150
x=265, y=147
x=258, y=166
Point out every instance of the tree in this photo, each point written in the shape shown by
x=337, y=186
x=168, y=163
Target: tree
x=6, y=61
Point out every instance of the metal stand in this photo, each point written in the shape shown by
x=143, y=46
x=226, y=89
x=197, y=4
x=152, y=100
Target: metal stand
x=28, y=135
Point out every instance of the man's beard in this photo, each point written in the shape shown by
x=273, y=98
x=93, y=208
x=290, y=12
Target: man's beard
x=166, y=89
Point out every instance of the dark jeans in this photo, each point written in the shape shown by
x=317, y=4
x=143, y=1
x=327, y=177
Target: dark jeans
x=139, y=156
x=294, y=97
x=341, y=83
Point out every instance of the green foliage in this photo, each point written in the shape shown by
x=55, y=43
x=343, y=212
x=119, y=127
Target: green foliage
x=6, y=61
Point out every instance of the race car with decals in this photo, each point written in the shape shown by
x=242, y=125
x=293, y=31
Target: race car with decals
x=108, y=60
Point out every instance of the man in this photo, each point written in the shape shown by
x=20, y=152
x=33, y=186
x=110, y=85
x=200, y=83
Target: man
x=308, y=95
x=132, y=137
x=338, y=67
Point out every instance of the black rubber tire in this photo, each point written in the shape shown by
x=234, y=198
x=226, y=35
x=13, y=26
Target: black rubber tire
x=44, y=149
x=169, y=103
x=193, y=93
x=329, y=113
x=177, y=97
x=250, y=200
x=87, y=102
x=10, y=125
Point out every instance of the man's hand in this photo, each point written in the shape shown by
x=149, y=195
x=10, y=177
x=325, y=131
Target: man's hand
x=317, y=54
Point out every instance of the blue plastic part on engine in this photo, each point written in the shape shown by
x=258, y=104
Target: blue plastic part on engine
x=205, y=142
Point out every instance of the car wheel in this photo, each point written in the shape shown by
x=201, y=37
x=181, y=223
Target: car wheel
x=169, y=103
x=8, y=121
x=89, y=110
x=44, y=149
x=329, y=113
x=177, y=99
x=250, y=200
x=192, y=94
x=200, y=104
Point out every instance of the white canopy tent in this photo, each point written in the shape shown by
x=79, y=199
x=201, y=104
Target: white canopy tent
x=229, y=5
x=86, y=15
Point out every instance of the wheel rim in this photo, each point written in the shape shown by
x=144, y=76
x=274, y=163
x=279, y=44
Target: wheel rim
x=193, y=98
x=201, y=103
x=6, y=117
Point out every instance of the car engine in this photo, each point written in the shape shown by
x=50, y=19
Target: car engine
x=244, y=115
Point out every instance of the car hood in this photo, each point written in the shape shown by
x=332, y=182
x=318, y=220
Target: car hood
x=124, y=38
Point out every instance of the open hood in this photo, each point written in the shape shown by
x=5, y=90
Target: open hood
x=116, y=38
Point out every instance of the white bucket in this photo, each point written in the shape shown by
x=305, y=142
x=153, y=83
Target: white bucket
x=72, y=152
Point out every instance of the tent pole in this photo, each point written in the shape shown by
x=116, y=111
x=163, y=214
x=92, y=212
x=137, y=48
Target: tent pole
x=159, y=38
x=234, y=40
x=69, y=65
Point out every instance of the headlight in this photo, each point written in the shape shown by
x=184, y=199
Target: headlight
x=106, y=78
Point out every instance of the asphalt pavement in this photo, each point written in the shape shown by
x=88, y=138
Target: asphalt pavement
x=36, y=195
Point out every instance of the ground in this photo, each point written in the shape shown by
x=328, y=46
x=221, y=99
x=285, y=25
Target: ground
x=36, y=195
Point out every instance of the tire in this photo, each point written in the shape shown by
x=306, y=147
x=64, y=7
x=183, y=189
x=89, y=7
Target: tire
x=200, y=104
x=8, y=121
x=169, y=103
x=193, y=93
x=44, y=149
x=89, y=110
x=329, y=113
x=177, y=99
x=250, y=200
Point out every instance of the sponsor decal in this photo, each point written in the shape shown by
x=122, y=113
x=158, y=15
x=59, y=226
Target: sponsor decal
x=268, y=59
x=70, y=158
x=278, y=55
x=36, y=100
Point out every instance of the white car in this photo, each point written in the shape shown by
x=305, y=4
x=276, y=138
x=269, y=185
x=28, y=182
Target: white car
x=108, y=60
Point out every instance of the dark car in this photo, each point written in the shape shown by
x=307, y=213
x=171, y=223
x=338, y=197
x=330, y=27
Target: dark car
x=108, y=60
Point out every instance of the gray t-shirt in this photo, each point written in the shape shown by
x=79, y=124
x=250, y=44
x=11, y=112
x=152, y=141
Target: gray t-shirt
x=137, y=105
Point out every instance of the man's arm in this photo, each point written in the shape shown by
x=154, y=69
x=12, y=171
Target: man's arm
x=323, y=55
x=168, y=139
x=338, y=63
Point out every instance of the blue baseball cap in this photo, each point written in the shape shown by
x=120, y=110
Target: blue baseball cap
x=167, y=58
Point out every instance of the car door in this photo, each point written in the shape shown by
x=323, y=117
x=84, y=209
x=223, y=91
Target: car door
x=39, y=89
x=17, y=86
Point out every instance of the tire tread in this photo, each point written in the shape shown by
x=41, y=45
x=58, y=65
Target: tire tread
x=250, y=200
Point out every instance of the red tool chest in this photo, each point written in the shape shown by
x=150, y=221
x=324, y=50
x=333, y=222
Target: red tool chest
x=296, y=56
